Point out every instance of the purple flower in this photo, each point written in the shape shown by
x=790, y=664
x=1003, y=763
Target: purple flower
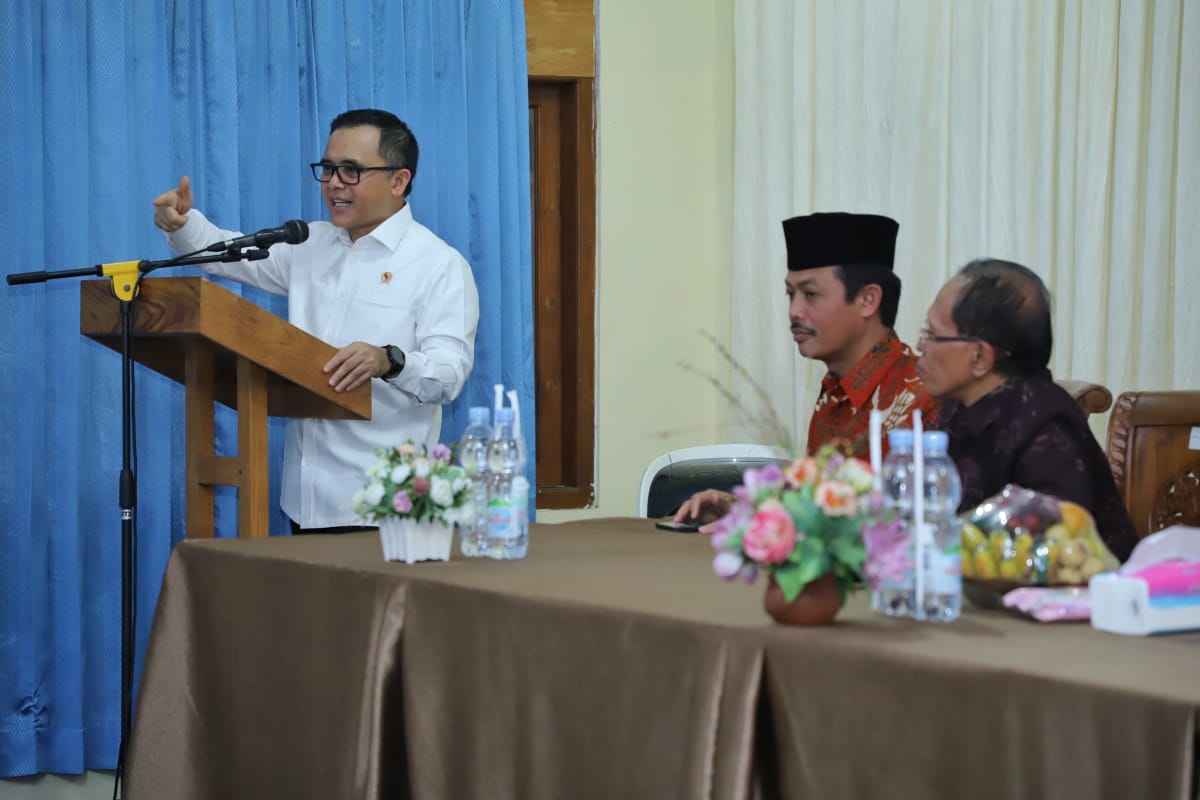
x=888, y=557
x=833, y=465
x=440, y=452
x=734, y=520
x=727, y=564
x=768, y=478
x=401, y=502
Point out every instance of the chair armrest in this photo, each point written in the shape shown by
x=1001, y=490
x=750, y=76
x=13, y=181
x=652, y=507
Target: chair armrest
x=1091, y=397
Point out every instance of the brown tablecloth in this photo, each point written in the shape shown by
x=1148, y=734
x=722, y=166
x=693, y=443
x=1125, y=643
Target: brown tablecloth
x=612, y=664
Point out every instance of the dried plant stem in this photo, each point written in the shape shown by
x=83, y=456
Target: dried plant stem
x=766, y=420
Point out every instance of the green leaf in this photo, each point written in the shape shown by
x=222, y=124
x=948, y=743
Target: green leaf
x=804, y=511
x=790, y=582
x=806, y=551
x=813, y=568
x=843, y=528
x=734, y=542
x=848, y=552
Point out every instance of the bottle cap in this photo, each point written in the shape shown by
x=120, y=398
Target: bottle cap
x=900, y=439
x=935, y=441
x=505, y=414
x=479, y=414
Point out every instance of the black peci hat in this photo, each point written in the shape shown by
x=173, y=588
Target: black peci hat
x=839, y=239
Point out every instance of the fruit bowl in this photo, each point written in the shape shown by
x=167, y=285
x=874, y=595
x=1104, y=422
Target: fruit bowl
x=1023, y=538
x=989, y=593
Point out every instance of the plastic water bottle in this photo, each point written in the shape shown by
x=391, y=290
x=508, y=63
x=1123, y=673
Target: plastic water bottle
x=941, y=557
x=508, y=495
x=895, y=595
x=472, y=456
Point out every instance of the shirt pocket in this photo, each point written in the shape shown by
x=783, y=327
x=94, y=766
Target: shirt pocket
x=382, y=295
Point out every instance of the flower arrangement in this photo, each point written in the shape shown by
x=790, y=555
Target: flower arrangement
x=798, y=523
x=407, y=482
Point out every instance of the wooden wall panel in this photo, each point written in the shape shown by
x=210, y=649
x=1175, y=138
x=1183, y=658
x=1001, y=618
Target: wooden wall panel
x=560, y=38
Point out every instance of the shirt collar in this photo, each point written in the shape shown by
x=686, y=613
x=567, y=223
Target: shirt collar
x=1003, y=401
x=985, y=411
x=389, y=232
x=860, y=383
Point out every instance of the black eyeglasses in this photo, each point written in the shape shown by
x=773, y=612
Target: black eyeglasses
x=349, y=174
x=925, y=335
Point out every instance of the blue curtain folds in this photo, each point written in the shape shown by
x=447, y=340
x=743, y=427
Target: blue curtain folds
x=105, y=105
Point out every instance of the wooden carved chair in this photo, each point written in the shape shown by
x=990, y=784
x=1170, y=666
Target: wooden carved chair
x=1154, y=450
x=1092, y=397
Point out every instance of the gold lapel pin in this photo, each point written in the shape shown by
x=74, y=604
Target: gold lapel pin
x=385, y=277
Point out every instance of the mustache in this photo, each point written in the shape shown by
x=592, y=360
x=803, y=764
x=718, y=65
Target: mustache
x=798, y=328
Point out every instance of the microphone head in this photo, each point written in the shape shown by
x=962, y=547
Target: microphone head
x=297, y=231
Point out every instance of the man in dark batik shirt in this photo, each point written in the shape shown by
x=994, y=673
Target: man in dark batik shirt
x=842, y=302
x=984, y=352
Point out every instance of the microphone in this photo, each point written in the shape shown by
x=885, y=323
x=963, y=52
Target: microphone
x=293, y=231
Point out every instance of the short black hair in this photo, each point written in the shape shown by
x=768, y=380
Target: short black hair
x=397, y=145
x=856, y=277
x=1008, y=306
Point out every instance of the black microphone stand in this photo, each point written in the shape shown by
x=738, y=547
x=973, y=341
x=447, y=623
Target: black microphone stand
x=126, y=279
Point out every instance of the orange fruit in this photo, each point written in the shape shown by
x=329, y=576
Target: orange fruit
x=1075, y=517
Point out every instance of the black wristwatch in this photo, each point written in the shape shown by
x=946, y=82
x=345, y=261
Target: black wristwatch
x=395, y=358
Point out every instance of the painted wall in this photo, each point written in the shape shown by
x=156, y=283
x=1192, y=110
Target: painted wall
x=664, y=181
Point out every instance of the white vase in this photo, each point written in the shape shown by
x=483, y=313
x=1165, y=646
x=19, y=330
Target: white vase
x=410, y=541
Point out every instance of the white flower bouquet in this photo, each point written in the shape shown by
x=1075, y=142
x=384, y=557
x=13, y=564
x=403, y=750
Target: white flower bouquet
x=416, y=497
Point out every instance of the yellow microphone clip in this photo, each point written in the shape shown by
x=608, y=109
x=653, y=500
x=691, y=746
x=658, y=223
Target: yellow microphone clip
x=124, y=276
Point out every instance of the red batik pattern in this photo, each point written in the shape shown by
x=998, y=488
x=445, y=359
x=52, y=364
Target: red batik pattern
x=886, y=379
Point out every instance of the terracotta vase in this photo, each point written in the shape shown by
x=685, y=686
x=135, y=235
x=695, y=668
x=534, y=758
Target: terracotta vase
x=817, y=603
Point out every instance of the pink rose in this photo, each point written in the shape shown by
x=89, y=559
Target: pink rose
x=401, y=502
x=421, y=485
x=771, y=534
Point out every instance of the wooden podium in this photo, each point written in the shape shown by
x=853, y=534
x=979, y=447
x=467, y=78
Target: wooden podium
x=225, y=349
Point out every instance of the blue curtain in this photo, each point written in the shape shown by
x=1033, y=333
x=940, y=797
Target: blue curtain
x=105, y=105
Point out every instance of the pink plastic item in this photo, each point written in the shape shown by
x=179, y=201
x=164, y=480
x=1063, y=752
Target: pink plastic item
x=1066, y=604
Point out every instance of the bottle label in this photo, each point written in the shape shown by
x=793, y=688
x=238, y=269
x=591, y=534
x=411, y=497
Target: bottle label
x=506, y=519
x=943, y=568
x=501, y=519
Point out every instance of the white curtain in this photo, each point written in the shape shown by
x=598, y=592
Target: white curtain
x=1061, y=135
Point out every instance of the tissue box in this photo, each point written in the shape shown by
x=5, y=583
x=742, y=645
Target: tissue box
x=1156, y=591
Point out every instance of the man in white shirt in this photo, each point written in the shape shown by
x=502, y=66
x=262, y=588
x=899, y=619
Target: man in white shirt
x=398, y=302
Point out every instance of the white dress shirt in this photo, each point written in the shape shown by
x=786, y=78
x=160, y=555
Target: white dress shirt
x=400, y=285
